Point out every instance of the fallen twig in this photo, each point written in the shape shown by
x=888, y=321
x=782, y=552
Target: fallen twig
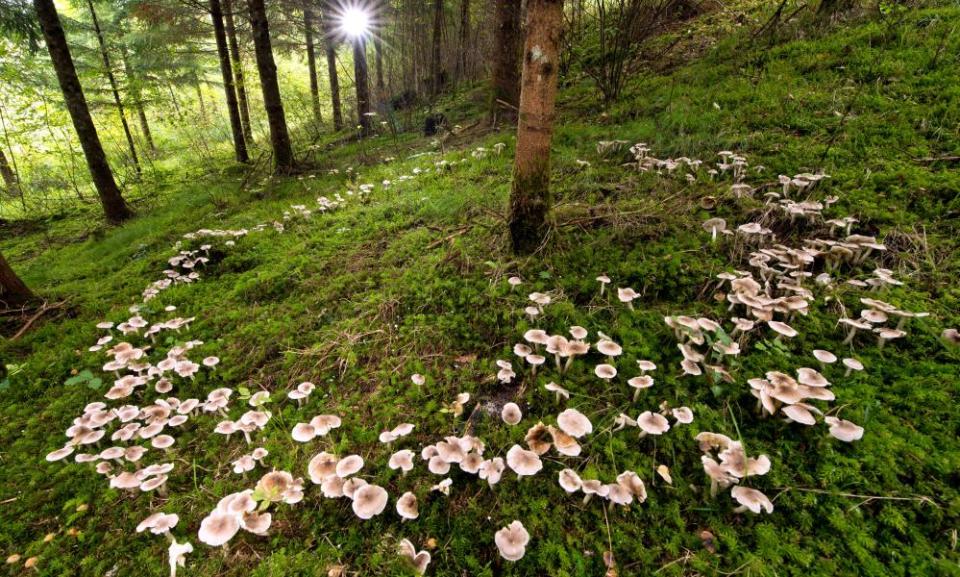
x=44, y=309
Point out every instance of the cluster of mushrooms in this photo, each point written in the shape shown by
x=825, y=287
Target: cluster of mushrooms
x=770, y=295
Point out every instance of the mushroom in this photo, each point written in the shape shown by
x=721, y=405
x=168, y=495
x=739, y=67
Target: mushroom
x=418, y=379
x=511, y=414
x=714, y=225
x=402, y=460
x=854, y=326
x=824, y=357
x=952, y=336
x=609, y=348
x=683, y=415
x=177, y=555
x=570, y=480
x=782, y=328
x=574, y=423
x=751, y=499
x=512, y=541
x=652, y=423
x=491, y=470
x=369, y=501
x=627, y=295
x=349, y=465
x=523, y=462
x=559, y=391
x=605, y=371
x=843, y=430
x=852, y=365
x=639, y=383
x=218, y=527
x=322, y=466
x=419, y=560
x=604, y=280
x=407, y=506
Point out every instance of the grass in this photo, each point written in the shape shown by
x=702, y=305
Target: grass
x=414, y=281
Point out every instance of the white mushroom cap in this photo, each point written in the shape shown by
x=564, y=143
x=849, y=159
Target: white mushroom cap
x=349, y=465
x=491, y=470
x=418, y=379
x=536, y=336
x=653, y=423
x=407, y=506
x=609, y=348
x=512, y=541
x=824, y=356
x=605, y=371
x=646, y=366
x=626, y=295
x=256, y=523
x=782, y=328
x=515, y=281
x=401, y=460
x=578, y=332
x=555, y=388
x=322, y=466
x=438, y=465
x=843, y=430
x=511, y=414
x=60, y=453
x=369, y=501
x=752, y=499
x=162, y=441
x=535, y=360
x=523, y=462
x=574, y=423
x=683, y=415
x=633, y=483
x=853, y=364
x=217, y=528
x=570, y=480
x=641, y=382
x=602, y=279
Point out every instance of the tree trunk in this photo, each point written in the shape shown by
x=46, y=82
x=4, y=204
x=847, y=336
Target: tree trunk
x=233, y=110
x=378, y=56
x=312, y=65
x=436, y=58
x=13, y=293
x=530, y=194
x=330, y=47
x=462, y=60
x=506, y=63
x=108, y=69
x=363, y=84
x=9, y=178
x=114, y=206
x=238, y=71
x=133, y=85
x=283, y=160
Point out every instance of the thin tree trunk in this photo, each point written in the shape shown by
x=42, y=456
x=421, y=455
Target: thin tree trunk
x=362, y=80
x=462, y=61
x=506, y=63
x=530, y=195
x=9, y=178
x=233, y=111
x=283, y=160
x=108, y=69
x=330, y=47
x=435, y=59
x=133, y=85
x=114, y=206
x=203, y=107
x=312, y=65
x=378, y=56
x=13, y=292
x=238, y=81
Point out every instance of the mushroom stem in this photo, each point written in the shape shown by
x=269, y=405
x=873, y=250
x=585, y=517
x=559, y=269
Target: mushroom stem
x=587, y=497
x=850, y=335
x=636, y=395
x=847, y=373
x=740, y=509
x=714, y=486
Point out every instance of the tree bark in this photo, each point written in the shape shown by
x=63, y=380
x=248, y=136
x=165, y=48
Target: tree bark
x=233, y=110
x=362, y=81
x=13, y=292
x=238, y=81
x=436, y=58
x=330, y=47
x=133, y=85
x=283, y=161
x=506, y=63
x=108, y=70
x=114, y=206
x=9, y=178
x=463, y=59
x=378, y=56
x=312, y=65
x=530, y=195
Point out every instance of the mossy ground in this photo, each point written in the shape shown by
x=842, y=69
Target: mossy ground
x=414, y=280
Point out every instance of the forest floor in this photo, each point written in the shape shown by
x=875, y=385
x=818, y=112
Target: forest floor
x=412, y=278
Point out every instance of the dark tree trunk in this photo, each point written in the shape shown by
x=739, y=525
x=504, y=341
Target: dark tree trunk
x=283, y=160
x=506, y=63
x=9, y=178
x=108, y=69
x=133, y=85
x=330, y=47
x=363, y=85
x=13, y=292
x=238, y=71
x=114, y=206
x=378, y=56
x=312, y=65
x=463, y=59
x=233, y=110
x=436, y=57
x=530, y=194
